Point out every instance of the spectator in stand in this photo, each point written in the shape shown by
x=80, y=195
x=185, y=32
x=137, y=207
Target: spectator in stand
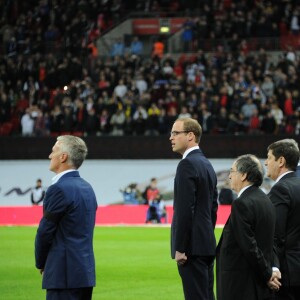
x=27, y=123
x=41, y=125
x=117, y=122
x=5, y=108
x=222, y=120
x=67, y=119
x=152, y=120
x=167, y=69
x=268, y=124
x=254, y=123
x=80, y=114
x=268, y=86
x=136, y=46
x=121, y=89
x=158, y=49
x=104, y=122
x=91, y=127
x=205, y=119
x=141, y=84
x=140, y=112
x=56, y=119
x=277, y=113
x=295, y=22
x=288, y=104
x=188, y=35
x=248, y=110
x=184, y=113
x=118, y=48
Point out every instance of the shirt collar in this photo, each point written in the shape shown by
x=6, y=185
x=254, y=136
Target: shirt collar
x=59, y=175
x=243, y=190
x=189, y=150
x=279, y=177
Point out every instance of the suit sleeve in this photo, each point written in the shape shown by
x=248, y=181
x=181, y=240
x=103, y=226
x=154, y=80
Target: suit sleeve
x=214, y=208
x=280, y=198
x=185, y=204
x=242, y=221
x=54, y=209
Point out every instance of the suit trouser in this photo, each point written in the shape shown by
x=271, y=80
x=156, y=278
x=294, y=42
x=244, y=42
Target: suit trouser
x=70, y=294
x=288, y=293
x=197, y=276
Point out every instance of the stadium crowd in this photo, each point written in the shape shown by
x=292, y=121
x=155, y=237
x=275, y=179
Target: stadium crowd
x=51, y=82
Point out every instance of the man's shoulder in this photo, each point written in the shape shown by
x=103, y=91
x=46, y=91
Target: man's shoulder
x=254, y=193
x=288, y=179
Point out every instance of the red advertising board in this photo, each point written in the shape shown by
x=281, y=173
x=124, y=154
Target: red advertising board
x=152, y=26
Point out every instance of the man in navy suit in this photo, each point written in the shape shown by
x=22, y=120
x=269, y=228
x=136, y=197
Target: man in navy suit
x=193, y=243
x=64, y=240
x=281, y=163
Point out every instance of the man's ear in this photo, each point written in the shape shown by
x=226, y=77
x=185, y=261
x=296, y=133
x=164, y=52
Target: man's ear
x=243, y=177
x=281, y=161
x=191, y=136
x=63, y=157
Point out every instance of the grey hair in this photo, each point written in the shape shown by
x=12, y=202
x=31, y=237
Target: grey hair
x=75, y=147
x=249, y=164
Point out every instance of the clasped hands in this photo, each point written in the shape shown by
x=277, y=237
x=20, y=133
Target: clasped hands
x=274, y=283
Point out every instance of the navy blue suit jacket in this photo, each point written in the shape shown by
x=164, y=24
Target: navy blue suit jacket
x=64, y=240
x=195, y=207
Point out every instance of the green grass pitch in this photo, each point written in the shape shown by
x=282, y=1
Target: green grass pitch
x=133, y=263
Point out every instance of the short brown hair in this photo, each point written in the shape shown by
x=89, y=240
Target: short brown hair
x=192, y=125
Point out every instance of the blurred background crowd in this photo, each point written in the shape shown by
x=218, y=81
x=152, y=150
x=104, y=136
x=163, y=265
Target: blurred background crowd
x=54, y=79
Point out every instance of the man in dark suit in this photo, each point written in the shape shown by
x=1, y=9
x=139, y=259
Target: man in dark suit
x=64, y=240
x=298, y=170
x=245, y=249
x=281, y=163
x=195, y=210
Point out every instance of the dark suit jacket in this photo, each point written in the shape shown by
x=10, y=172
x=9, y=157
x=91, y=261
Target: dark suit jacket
x=195, y=207
x=298, y=171
x=245, y=250
x=64, y=240
x=285, y=195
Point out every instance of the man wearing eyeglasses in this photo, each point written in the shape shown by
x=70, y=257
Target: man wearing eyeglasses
x=245, y=250
x=193, y=242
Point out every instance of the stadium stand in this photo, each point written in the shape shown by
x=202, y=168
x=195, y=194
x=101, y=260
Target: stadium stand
x=49, y=65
